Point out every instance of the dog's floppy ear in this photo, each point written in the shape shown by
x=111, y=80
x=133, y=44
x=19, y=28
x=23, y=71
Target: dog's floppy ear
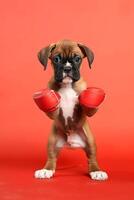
x=87, y=53
x=44, y=54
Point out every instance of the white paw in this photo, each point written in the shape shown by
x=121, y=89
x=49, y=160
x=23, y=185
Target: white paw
x=99, y=175
x=44, y=173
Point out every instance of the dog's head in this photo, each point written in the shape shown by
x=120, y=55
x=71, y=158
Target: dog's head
x=66, y=57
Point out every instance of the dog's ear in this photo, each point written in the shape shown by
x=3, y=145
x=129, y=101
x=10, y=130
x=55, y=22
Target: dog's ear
x=87, y=53
x=44, y=54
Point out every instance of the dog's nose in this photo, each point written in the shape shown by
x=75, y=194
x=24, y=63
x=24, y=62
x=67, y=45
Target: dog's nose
x=67, y=69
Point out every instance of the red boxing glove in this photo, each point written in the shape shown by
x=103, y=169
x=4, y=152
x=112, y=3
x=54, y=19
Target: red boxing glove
x=47, y=100
x=91, y=97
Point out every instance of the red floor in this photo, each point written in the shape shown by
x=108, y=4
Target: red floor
x=70, y=181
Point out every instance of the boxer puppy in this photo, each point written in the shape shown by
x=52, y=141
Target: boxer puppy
x=68, y=102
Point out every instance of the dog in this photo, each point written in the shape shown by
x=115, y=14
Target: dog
x=70, y=127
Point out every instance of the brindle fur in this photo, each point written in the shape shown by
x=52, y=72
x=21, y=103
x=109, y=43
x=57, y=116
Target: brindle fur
x=79, y=119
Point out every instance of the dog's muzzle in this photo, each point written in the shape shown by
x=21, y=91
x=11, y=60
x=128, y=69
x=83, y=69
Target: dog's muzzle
x=67, y=75
x=67, y=70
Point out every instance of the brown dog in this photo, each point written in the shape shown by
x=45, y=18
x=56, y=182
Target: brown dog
x=70, y=127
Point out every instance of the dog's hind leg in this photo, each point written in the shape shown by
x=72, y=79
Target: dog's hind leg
x=52, y=152
x=90, y=149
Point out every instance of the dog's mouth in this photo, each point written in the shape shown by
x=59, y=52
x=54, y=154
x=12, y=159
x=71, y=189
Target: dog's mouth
x=67, y=79
x=71, y=77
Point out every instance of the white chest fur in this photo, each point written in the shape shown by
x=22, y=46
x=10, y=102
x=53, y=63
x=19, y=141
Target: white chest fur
x=69, y=99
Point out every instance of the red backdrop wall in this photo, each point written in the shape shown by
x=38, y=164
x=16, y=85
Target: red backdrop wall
x=107, y=28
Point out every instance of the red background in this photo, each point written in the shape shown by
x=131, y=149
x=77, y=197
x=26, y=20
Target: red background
x=107, y=28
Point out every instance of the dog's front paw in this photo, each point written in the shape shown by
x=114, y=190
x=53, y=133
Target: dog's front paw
x=98, y=175
x=44, y=173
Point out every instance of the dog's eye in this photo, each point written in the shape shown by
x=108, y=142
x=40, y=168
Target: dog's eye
x=57, y=59
x=77, y=59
